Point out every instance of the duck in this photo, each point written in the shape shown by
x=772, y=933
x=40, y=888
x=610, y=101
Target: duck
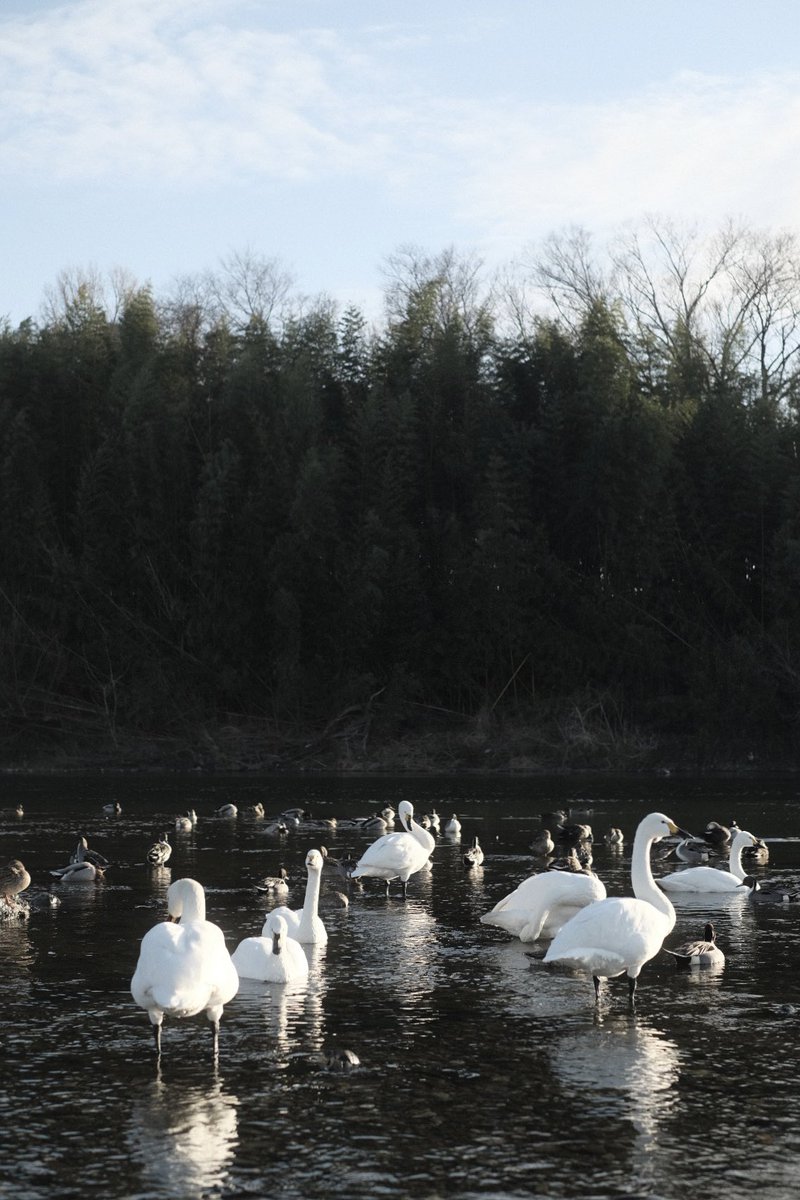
x=13, y=880
x=389, y=814
x=79, y=872
x=474, y=856
x=160, y=852
x=572, y=833
x=772, y=891
x=272, y=958
x=544, y=902
x=435, y=820
x=614, y=838
x=184, y=824
x=276, y=828
x=542, y=844
x=711, y=879
x=113, y=809
x=304, y=924
x=82, y=853
x=184, y=966
x=453, y=826
x=397, y=855
x=620, y=934
x=717, y=836
x=757, y=855
x=257, y=811
x=692, y=850
x=276, y=885
x=226, y=810
x=704, y=952
x=19, y=811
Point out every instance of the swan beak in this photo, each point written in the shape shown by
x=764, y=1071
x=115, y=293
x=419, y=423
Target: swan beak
x=673, y=828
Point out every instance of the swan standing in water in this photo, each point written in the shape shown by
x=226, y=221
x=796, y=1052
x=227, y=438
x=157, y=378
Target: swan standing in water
x=272, y=958
x=712, y=879
x=544, y=902
x=304, y=924
x=397, y=855
x=184, y=968
x=621, y=933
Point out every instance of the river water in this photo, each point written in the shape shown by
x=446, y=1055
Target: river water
x=482, y=1074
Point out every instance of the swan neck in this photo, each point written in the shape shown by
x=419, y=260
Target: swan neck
x=644, y=884
x=311, y=902
x=735, y=861
x=191, y=903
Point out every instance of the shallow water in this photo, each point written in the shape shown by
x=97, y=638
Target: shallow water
x=482, y=1073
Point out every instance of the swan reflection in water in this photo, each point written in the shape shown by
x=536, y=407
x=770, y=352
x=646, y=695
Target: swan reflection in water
x=184, y=1137
x=632, y=1071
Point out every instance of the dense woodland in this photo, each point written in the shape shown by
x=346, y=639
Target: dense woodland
x=552, y=520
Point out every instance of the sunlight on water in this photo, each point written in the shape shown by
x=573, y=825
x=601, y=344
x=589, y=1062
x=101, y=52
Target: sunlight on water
x=482, y=1073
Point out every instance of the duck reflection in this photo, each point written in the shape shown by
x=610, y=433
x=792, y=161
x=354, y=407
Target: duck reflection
x=632, y=1071
x=184, y=1138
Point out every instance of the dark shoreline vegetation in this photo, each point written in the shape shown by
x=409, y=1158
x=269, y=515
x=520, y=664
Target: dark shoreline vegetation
x=243, y=531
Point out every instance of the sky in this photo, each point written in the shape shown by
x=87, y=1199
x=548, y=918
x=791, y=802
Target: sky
x=163, y=136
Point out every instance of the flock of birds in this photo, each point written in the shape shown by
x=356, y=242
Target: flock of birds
x=184, y=967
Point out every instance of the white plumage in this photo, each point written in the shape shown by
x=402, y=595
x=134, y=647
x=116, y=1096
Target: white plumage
x=304, y=924
x=712, y=879
x=272, y=958
x=544, y=902
x=397, y=855
x=621, y=934
x=184, y=968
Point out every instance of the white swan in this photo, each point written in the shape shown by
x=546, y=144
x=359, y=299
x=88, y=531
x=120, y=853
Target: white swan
x=712, y=879
x=184, y=968
x=397, y=855
x=703, y=952
x=304, y=924
x=621, y=933
x=544, y=902
x=272, y=958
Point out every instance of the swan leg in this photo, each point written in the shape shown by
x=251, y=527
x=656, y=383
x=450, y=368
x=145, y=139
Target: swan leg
x=596, y=982
x=215, y=1036
x=157, y=1039
x=405, y=884
x=632, y=992
x=387, y=888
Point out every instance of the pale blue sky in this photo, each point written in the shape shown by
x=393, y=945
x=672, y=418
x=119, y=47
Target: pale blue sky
x=162, y=135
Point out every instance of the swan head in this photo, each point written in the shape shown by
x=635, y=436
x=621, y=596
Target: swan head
x=275, y=927
x=656, y=826
x=314, y=860
x=185, y=895
x=405, y=811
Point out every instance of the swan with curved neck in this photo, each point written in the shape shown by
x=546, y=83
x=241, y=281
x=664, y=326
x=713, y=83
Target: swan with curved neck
x=304, y=924
x=712, y=879
x=272, y=958
x=397, y=855
x=621, y=934
x=184, y=966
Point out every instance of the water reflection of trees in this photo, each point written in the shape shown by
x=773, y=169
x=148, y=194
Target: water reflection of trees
x=183, y=1137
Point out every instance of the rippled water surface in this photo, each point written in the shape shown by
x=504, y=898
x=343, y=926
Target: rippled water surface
x=482, y=1073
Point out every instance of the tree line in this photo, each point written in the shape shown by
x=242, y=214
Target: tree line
x=574, y=491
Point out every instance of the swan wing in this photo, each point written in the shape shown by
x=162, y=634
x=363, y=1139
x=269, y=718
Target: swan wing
x=699, y=879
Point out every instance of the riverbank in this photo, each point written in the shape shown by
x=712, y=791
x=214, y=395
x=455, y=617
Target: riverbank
x=431, y=741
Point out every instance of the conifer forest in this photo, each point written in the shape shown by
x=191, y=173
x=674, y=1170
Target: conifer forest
x=568, y=507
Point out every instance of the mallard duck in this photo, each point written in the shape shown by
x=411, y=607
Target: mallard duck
x=542, y=844
x=13, y=880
